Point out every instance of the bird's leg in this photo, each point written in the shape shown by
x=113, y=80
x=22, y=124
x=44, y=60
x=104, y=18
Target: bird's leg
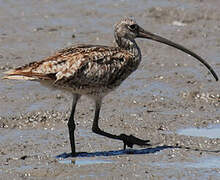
x=71, y=124
x=95, y=125
x=128, y=140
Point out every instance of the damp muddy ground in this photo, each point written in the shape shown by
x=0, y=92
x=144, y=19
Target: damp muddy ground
x=169, y=92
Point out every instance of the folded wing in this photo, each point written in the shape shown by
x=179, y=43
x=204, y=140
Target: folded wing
x=84, y=64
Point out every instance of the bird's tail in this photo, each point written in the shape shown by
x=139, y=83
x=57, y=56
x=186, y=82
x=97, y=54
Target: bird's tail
x=18, y=75
x=24, y=73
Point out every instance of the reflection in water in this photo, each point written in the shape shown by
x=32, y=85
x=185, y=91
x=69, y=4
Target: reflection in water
x=118, y=152
x=62, y=158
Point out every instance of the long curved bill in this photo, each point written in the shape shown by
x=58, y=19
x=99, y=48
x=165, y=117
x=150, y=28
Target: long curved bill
x=148, y=35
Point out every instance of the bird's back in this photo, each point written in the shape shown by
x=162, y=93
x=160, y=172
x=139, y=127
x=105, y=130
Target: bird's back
x=80, y=68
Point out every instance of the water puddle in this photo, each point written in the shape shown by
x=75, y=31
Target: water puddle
x=212, y=131
x=213, y=162
x=204, y=163
x=85, y=161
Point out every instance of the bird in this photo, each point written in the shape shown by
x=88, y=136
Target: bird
x=95, y=71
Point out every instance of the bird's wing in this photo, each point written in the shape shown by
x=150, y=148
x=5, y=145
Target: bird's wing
x=84, y=63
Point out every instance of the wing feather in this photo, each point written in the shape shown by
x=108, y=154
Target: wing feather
x=84, y=64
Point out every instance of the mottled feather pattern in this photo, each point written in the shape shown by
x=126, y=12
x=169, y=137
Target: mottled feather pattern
x=92, y=70
x=82, y=67
x=95, y=70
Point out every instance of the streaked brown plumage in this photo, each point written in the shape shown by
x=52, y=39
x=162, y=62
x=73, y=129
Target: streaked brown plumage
x=95, y=70
x=85, y=69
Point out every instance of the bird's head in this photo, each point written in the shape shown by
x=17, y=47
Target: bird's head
x=127, y=29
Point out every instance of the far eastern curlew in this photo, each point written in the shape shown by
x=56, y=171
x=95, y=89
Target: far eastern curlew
x=95, y=70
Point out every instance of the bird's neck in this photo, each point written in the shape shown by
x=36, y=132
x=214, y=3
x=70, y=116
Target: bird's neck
x=129, y=45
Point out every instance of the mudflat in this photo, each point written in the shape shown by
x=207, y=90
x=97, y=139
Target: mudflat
x=168, y=93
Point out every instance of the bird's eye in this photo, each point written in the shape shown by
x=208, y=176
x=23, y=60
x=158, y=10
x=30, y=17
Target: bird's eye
x=133, y=27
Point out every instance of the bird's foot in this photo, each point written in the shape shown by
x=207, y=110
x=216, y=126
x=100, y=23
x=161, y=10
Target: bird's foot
x=132, y=140
x=73, y=154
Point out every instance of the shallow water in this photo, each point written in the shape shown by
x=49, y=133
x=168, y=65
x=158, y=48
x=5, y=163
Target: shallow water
x=212, y=162
x=85, y=161
x=32, y=30
x=207, y=166
x=205, y=163
x=212, y=131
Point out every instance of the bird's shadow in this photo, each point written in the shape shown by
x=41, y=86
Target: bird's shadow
x=117, y=152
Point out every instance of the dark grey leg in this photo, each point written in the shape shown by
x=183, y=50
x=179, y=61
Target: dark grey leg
x=71, y=124
x=128, y=140
x=95, y=125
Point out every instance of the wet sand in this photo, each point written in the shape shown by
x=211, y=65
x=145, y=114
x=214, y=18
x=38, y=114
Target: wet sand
x=169, y=91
